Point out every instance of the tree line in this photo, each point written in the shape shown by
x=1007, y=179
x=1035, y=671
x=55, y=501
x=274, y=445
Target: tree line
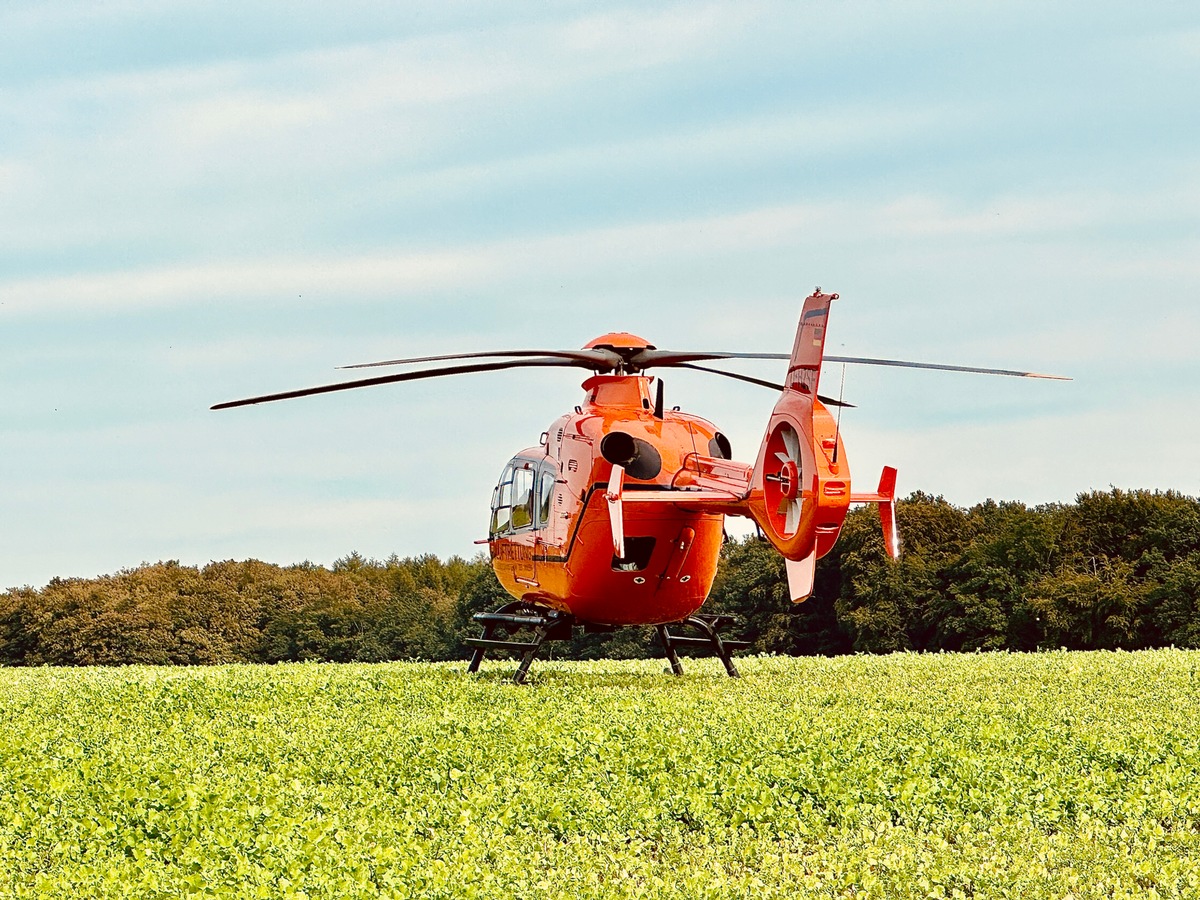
x=1115, y=569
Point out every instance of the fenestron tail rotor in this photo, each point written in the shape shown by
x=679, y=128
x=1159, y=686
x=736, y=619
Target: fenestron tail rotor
x=791, y=469
x=784, y=473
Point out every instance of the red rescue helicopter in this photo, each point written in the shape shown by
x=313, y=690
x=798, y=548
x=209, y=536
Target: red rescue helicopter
x=616, y=517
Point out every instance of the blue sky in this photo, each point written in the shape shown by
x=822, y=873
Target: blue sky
x=200, y=202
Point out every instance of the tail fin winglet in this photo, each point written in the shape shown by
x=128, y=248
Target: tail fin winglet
x=886, y=498
x=887, y=512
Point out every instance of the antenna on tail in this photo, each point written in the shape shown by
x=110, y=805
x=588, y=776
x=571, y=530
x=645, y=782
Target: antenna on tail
x=837, y=426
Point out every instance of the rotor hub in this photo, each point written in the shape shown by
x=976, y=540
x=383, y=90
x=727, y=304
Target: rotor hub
x=625, y=345
x=789, y=480
x=618, y=341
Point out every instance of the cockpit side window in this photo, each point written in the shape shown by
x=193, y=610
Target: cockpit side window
x=545, y=496
x=522, y=503
x=513, y=499
x=502, y=503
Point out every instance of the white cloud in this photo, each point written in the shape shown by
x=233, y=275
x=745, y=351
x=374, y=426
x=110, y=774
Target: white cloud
x=247, y=146
x=105, y=521
x=1172, y=45
x=269, y=281
x=910, y=218
x=208, y=353
x=925, y=216
x=635, y=38
x=424, y=70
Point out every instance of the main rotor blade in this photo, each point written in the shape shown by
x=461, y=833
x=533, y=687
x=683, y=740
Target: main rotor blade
x=391, y=379
x=828, y=401
x=767, y=384
x=978, y=370
x=592, y=359
x=648, y=358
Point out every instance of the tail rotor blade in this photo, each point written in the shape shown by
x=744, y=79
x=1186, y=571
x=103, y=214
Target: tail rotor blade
x=792, y=521
x=792, y=442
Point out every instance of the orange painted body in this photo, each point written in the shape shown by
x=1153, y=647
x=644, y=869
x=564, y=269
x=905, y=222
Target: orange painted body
x=581, y=526
x=565, y=559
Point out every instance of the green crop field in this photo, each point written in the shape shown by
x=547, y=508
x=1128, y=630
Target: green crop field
x=1048, y=775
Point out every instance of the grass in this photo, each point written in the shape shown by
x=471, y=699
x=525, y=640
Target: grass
x=1049, y=775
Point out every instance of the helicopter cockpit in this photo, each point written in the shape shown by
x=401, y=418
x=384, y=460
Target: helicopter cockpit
x=522, y=498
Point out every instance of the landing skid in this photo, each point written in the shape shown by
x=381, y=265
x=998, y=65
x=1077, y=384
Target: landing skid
x=501, y=627
x=546, y=624
x=709, y=627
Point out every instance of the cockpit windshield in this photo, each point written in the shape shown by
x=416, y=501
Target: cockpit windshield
x=523, y=498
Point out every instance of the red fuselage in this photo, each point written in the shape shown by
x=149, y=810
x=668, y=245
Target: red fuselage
x=551, y=537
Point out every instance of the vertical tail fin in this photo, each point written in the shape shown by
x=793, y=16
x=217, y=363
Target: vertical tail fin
x=804, y=367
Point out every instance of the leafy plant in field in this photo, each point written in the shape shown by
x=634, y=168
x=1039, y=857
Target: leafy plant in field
x=910, y=775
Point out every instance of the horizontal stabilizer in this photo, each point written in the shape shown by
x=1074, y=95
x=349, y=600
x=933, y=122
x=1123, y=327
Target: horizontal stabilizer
x=683, y=497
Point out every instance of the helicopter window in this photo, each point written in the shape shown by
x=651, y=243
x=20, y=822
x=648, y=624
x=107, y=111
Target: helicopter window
x=545, y=495
x=522, y=502
x=719, y=447
x=502, y=503
x=522, y=492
